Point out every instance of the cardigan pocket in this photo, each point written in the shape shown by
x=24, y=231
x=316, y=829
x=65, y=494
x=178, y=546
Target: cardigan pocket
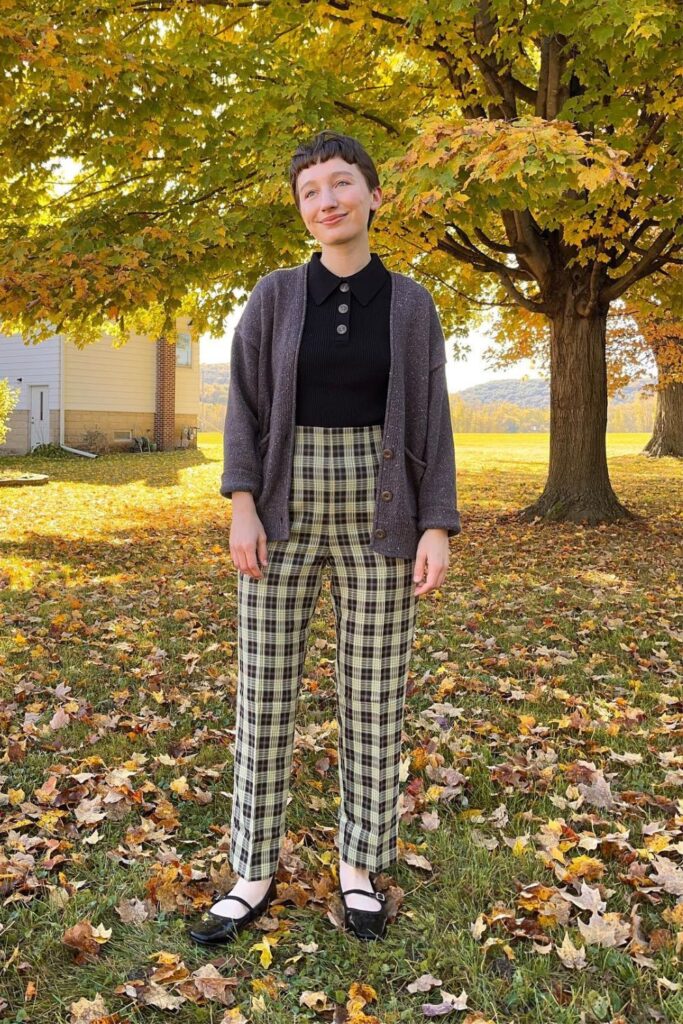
x=414, y=471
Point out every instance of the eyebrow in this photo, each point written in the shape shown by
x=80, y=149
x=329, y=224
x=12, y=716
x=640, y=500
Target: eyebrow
x=312, y=181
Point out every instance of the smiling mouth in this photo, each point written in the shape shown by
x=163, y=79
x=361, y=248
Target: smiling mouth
x=333, y=220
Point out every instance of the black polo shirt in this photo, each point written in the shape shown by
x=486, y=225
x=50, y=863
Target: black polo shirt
x=344, y=355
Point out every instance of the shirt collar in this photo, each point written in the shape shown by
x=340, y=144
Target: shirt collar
x=364, y=284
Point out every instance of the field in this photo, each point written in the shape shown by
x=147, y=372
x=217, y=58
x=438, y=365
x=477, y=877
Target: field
x=540, y=878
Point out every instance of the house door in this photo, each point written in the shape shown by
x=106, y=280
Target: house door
x=40, y=415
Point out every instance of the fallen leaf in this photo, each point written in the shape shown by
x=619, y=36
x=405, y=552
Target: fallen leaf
x=424, y=983
x=571, y=957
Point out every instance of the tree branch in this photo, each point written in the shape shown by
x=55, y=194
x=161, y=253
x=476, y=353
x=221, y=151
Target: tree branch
x=490, y=266
x=616, y=287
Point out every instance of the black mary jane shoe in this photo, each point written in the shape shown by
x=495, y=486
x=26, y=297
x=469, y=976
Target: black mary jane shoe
x=366, y=924
x=220, y=929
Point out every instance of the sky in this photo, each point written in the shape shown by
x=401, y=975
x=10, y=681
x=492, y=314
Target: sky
x=464, y=373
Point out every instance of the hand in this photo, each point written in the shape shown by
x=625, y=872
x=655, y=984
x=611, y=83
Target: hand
x=247, y=538
x=431, y=560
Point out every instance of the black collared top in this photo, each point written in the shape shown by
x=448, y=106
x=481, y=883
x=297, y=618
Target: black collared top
x=344, y=355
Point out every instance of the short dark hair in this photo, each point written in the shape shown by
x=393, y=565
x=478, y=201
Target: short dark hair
x=326, y=145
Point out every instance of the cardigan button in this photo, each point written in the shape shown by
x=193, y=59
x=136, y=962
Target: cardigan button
x=380, y=533
x=388, y=453
x=387, y=495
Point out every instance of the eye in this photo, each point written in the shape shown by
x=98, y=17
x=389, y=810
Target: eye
x=342, y=181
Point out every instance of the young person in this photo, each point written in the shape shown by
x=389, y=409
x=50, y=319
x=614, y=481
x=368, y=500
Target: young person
x=338, y=451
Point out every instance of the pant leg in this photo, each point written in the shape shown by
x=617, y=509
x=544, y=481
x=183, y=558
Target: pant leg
x=274, y=615
x=375, y=611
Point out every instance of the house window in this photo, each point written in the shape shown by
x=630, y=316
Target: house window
x=183, y=349
x=123, y=435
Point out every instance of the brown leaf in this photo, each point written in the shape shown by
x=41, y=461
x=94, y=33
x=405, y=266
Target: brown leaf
x=134, y=911
x=597, y=792
x=89, y=812
x=82, y=938
x=212, y=985
x=668, y=875
x=91, y=1011
x=608, y=930
x=152, y=994
x=588, y=899
x=46, y=794
x=316, y=1001
x=59, y=719
x=424, y=983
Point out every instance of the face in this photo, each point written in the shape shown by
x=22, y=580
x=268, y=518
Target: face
x=335, y=189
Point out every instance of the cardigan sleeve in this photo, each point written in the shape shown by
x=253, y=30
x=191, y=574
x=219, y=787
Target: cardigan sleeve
x=437, y=497
x=242, y=467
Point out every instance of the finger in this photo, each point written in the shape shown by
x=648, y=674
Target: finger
x=252, y=565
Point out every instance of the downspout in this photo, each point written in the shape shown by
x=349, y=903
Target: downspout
x=76, y=451
x=61, y=390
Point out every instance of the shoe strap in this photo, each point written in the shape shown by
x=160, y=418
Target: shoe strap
x=231, y=896
x=364, y=892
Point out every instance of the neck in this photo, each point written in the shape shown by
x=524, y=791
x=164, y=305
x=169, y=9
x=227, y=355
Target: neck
x=345, y=260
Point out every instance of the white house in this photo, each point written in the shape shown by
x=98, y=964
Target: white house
x=146, y=388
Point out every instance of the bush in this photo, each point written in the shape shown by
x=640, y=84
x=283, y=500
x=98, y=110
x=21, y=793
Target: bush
x=94, y=441
x=50, y=451
x=8, y=400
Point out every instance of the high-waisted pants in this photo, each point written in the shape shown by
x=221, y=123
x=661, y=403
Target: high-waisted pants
x=331, y=510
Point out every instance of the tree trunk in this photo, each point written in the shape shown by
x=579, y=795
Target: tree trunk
x=667, y=434
x=578, y=487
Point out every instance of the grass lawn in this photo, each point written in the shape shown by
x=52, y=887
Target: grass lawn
x=540, y=876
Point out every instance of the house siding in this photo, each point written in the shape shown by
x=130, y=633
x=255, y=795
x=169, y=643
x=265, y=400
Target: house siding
x=102, y=378
x=105, y=388
x=35, y=365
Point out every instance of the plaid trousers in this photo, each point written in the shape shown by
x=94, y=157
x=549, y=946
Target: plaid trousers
x=331, y=508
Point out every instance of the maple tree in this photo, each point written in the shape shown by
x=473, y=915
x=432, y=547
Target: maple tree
x=530, y=157
x=661, y=326
x=644, y=331
x=667, y=434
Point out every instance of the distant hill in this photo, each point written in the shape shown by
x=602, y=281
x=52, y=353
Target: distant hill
x=528, y=394
x=215, y=378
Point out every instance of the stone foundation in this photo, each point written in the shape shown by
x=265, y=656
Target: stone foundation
x=78, y=422
x=17, y=440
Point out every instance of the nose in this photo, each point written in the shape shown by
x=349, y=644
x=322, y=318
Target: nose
x=329, y=200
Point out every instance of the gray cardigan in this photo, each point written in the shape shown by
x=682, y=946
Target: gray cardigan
x=416, y=485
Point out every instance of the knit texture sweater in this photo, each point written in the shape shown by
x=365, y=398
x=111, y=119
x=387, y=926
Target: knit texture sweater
x=416, y=483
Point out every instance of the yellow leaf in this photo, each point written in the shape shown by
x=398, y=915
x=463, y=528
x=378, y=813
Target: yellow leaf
x=266, y=958
x=519, y=846
x=101, y=934
x=180, y=786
